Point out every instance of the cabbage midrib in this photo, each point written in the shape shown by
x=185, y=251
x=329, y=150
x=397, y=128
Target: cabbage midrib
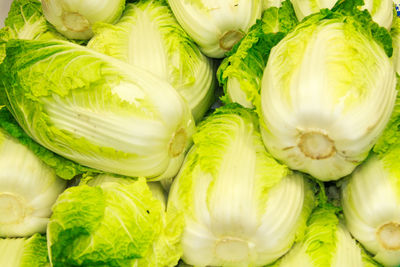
x=146, y=47
x=231, y=200
x=107, y=130
x=11, y=252
x=172, y=55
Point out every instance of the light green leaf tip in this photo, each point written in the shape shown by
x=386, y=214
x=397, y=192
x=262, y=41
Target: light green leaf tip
x=26, y=21
x=110, y=223
x=247, y=59
x=35, y=252
x=24, y=252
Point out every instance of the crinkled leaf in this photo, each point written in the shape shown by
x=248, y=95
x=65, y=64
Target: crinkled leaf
x=24, y=252
x=364, y=22
x=26, y=21
x=108, y=225
x=247, y=60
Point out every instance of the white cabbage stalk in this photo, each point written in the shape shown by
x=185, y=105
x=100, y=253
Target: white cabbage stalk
x=327, y=93
x=371, y=205
x=149, y=36
x=74, y=18
x=24, y=252
x=158, y=192
x=28, y=189
x=395, y=33
x=216, y=25
x=236, y=94
x=380, y=10
x=97, y=110
x=327, y=243
x=241, y=207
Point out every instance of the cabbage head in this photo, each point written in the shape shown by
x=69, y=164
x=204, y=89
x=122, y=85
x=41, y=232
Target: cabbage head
x=216, y=25
x=113, y=221
x=241, y=207
x=327, y=92
x=149, y=36
x=96, y=110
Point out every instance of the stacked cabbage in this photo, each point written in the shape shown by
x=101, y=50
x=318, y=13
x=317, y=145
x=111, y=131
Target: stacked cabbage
x=28, y=189
x=149, y=36
x=325, y=101
x=241, y=207
x=216, y=25
x=371, y=197
x=116, y=96
x=239, y=76
x=112, y=221
x=327, y=242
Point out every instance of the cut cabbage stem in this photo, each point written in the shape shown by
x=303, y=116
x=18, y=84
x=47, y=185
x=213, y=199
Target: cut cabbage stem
x=232, y=249
x=316, y=145
x=229, y=39
x=389, y=236
x=178, y=143
x=74, y=21
x=12, y=208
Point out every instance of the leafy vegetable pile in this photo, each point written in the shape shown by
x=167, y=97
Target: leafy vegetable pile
x=200, y=133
